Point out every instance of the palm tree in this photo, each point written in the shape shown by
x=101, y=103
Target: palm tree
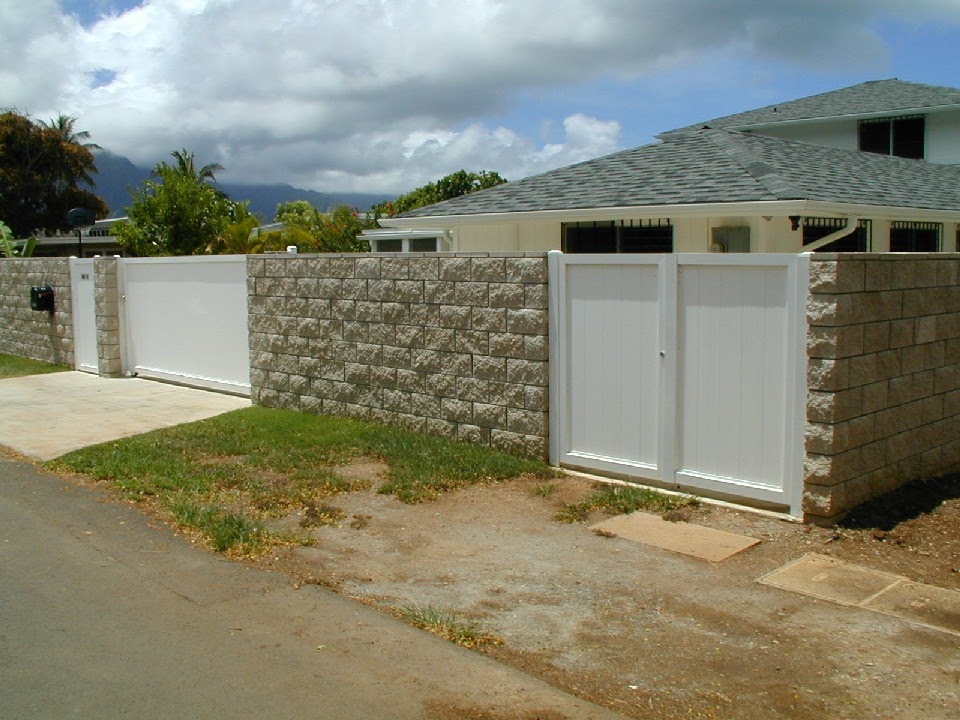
x=79, y=163
x=186, y=165
x=65, y=127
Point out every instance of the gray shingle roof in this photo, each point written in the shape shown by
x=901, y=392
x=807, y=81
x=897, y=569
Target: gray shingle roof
x=719, y=166
x=869, y=98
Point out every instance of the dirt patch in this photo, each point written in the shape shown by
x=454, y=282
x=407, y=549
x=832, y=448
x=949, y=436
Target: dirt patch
x=647, y=632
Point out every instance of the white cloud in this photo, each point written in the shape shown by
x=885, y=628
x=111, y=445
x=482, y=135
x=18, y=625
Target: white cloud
x=382, y=95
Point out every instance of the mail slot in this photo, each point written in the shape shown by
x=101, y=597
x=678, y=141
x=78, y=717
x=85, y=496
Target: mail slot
x=41, y=298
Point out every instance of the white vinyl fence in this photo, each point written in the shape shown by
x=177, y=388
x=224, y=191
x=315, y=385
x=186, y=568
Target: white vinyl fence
x=185, y=320
x=84, y=315
x=688, y=371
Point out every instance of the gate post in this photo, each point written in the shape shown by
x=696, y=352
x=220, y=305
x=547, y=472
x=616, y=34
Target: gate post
x=107, y=293
x=556, y=359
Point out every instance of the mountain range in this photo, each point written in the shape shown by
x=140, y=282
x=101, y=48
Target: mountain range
x=116, y=175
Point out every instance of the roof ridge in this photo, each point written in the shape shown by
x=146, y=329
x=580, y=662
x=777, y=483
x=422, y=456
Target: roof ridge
x=763, y=172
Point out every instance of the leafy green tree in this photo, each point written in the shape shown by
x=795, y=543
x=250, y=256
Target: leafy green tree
x=450, y=186
x=10, y=248
x=313, y=231
x=41, y=169
x=238, y=237
x=176, y=212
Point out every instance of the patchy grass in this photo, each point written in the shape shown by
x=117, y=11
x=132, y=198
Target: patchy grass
x=225, y=531
x=624, y=499
x=13, y=366
x=259, y=463
x=447, y=625
x=544, y=490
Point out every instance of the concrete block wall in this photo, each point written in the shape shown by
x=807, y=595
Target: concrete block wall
x=29, y=333
x=107, y=300
x=883, y=376
x=447, y=344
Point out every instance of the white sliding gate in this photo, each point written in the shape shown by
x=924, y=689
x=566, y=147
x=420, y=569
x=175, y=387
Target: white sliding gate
x=185, y=320
x=688, y=371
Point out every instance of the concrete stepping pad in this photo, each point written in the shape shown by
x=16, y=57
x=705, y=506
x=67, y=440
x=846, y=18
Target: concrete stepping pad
x=844, y=583
x=681, y=537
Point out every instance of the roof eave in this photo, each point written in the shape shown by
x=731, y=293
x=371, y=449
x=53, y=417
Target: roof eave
x=775, y=207
x=896, y=112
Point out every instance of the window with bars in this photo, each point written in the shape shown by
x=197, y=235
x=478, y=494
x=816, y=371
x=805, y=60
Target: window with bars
x=623, y=236
x=915, y=236
x=815, y=228
x=899, y=136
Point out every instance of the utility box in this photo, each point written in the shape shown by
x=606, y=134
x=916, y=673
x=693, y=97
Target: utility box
x=41, y=298
x=732, y=239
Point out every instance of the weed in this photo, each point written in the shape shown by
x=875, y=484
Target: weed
x=316, y=514
x=624, y=499
x=544, y=490
x=447, y=625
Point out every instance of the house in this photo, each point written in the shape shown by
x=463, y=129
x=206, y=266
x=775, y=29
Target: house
x=873, y=167
x=94, y=241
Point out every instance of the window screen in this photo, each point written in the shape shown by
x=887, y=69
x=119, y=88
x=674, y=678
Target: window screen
x=646, y=236
x=901, y=136
x=915, y=237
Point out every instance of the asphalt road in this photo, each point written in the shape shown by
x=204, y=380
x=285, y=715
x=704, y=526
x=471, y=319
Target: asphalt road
x=106, y=614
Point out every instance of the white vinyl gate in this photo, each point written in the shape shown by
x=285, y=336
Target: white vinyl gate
x=84, y=315
x=688, y=371
x=185, y=320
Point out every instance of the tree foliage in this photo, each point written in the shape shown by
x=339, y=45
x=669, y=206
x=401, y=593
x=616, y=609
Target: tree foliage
x=450, y=186
x=10, y=248
x=176, y=212
x=313, y=231
x=41, y=168
x=237, y=236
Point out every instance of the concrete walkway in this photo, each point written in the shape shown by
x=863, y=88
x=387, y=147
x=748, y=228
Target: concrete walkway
x=45, y=416
x=105, y=615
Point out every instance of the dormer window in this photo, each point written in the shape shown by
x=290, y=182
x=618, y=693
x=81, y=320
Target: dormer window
x=899, y=136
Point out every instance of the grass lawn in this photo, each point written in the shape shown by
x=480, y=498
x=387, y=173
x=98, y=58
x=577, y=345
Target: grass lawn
x=224, y=476
x=13, y=366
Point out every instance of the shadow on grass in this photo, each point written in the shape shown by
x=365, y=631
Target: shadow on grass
x=911, y=501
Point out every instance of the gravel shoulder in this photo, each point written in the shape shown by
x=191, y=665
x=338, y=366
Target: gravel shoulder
x=644, y=631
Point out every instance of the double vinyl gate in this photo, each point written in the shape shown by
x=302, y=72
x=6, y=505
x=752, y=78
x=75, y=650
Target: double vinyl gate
x=688, y=371
x=181, y=319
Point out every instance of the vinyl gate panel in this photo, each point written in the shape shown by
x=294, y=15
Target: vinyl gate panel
x=186, y=320
x=685, y=370
x=612, y=371
x=85, y=351
x=732, y=384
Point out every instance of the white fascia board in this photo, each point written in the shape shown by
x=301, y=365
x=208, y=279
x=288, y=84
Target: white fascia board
x=848, y=116
x=812, y=208
x=391, y=233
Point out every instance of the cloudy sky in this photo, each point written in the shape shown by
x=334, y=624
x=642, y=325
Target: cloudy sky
x=384, y=95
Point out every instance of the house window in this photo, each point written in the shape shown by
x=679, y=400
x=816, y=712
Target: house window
x=815, y=228
x=630, y=236
x=900, y=136
x=403, y=245
x=388, y=245
x=915, y=236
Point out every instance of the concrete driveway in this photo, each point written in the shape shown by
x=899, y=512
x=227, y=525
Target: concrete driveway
x=45, y=416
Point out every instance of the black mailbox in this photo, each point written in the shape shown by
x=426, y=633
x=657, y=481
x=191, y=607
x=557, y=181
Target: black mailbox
x=41, y=298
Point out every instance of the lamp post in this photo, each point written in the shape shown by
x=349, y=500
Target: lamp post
x=79, y=218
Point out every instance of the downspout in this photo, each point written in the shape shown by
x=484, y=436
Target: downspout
x=836, y=235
